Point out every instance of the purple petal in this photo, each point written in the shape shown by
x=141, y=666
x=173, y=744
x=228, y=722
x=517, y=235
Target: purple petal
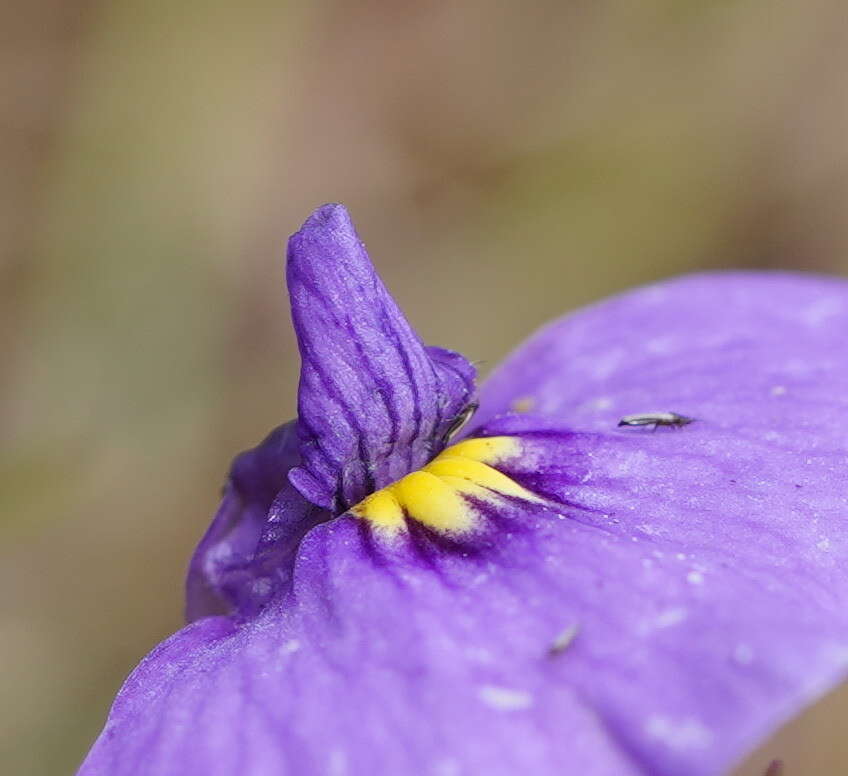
x=373, y=402
x=705, y=346
x=225, y=574
x=367, y=667
x=677, y=596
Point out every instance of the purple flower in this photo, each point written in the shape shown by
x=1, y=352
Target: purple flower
x=545, y=593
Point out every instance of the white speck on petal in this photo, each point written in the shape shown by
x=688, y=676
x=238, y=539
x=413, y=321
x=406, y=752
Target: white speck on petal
x=219, y=553
x=670, y=617
x=815, y=314
x=743, y=654
x=446, y=767
x=836, y=653
x=823, y=544
x=683, y=734
x=659, y=345
x=695, y=578
x=273, y=533
x=291, y=646
x=606, y=362
x=338, y=763
x=504, y=698
x=261, y=586
x=478, y=654
x=778, y=390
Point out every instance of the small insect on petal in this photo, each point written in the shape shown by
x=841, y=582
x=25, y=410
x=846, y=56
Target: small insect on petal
x=459, y=421
x=655, y=419
x=563, y=641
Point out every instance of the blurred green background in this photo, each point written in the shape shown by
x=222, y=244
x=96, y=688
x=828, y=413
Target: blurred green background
x=505, y=162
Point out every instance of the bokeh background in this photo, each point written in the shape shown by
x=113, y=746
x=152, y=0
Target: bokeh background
x=505, y=162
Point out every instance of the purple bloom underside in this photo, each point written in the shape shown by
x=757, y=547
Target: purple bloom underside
x=661, y=603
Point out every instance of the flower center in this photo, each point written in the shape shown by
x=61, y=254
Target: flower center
x=447, y=494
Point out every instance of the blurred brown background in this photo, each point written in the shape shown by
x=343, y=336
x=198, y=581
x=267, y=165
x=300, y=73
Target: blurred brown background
x=505, y=162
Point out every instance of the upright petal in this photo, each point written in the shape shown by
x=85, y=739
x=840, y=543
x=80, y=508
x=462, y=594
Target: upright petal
x=373, y=402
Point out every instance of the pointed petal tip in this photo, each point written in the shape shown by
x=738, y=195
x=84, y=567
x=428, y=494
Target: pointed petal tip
x=331, y=219
x=326, y=241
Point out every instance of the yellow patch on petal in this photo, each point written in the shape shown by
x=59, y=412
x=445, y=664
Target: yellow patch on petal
x=434, y=495
x=382, y=509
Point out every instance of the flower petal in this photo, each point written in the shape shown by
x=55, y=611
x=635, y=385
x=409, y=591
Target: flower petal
x=702, y=345
x=364, y=668
x=373, y=402
x=677, y=595
x=259, y=523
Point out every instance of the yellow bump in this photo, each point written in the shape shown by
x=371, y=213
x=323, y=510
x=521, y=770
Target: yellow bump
x=467, y=488
x=434, y=503
x=477, y=472
x=435, y=495
x=382, y=509
x=485, y=449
